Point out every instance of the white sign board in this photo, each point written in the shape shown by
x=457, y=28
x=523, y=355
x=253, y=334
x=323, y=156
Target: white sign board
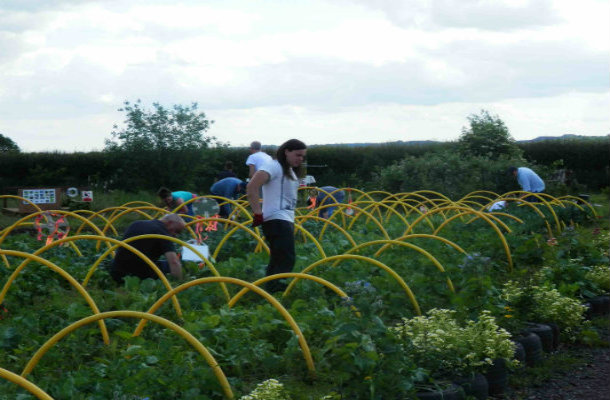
x=189, y=255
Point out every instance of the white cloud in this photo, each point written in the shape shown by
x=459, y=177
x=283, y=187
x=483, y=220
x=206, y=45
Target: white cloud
x=368, y=70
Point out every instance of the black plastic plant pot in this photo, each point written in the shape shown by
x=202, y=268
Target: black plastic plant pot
x=533, y=348
x=475, y=386
x=545, y=333
x=451, y=392
x=600, y=305
x=556, y=334
x=519, y=353
x=497, y=377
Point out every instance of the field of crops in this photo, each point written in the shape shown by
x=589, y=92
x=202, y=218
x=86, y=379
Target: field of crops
x=382, y=264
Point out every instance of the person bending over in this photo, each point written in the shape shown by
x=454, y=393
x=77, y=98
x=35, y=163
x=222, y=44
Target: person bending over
x=127, y=263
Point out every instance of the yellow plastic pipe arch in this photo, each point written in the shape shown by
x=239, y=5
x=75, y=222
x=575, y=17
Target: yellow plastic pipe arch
x=482, y=194
x=307, y=211
x=276, y=304
x=81, y=290
x=360, y=211
x=430, y=257
x=442, y=196
x=299, y=228
x=24, y=383
x=130, y=203
x=283, y=275
x=578, y=199
x=540, y=213
x=496, y=214
x=92, y=269
x=369, y=260
x=238, y=225
x=237, y=204
x=196, y=344
x=377, y=205
x=426, y=236
x=91, y=216
x=486, y=219
x=10, y=196
x=68, y=213
x=541, y=197
x=128, y=210
x=361, y=193
x=160, y=274
x=303, y=218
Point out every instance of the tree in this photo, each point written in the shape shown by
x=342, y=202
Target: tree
x=178, y=128
x=7, y=145
x=487, y=136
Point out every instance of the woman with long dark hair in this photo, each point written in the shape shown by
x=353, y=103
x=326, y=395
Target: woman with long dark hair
x=279, y=181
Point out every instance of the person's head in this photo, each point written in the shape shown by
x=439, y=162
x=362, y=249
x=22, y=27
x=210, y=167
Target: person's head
x=512, y=171
x=165, y=194
x=241, y=188
x=173, y=223
x=229, y=165
x=255, y=147
x=291, y=154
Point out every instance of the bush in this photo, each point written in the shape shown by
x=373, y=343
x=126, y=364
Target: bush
x=441, y=345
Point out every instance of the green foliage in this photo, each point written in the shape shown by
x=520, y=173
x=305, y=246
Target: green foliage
x=446, y=172
x=271, y=389
x=446, y=347
x=8, y=145
x=179, y=128
x=545, y=304
x=600, y=277
x=585, y=159
x=487, y=137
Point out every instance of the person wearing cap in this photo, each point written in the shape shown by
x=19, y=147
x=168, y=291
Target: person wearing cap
x=128, y=263
x=256, y=158
x=529, y=182
x=229, y=188
x=279, y=182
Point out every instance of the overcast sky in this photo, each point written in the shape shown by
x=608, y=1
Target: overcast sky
x=336, y=71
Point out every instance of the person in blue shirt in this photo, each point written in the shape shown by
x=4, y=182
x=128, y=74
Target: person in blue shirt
x=529, y=181
x=229, y=188
x=328, y=195
x=174, y=199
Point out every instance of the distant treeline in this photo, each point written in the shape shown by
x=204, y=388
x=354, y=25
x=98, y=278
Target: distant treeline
x=389, y=166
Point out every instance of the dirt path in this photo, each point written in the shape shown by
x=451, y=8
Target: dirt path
x=587, y=381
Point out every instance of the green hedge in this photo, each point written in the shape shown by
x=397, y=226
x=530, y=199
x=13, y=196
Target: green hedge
x=360, y=166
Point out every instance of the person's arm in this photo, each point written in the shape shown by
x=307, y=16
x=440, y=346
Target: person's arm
x=253, y=190
x=252, y=170
x=183, y=209
x=175, y=266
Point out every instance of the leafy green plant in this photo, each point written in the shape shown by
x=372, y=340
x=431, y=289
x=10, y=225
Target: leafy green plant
x=600, y=276
x=271, y=389
x=445, y=347
x=539, y=303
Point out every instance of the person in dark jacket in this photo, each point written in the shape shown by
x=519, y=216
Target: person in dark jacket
x=128, y=263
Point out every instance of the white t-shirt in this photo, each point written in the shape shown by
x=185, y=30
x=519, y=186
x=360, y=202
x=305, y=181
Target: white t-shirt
x=258, y=159
x=279, y=193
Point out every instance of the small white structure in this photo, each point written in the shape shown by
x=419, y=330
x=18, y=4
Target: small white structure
x=307, y=181
x=498, y=205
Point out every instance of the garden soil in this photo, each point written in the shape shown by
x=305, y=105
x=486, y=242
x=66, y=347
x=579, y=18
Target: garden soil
x=590, y=380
